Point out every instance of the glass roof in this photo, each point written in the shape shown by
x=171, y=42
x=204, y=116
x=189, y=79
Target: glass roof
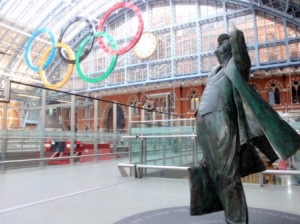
x=19, y=19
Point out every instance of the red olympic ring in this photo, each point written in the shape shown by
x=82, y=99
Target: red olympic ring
x=137, y=35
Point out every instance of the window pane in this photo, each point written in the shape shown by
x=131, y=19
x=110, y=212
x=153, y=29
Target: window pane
x=160, y=14
x=186, y=41
x=294, y=51
x=208, y=62
x=271, y=97
x=210, y=8
x=272, y=54
x=209, y=35
x=185, y=12
x=277, y=96
x=189, y=66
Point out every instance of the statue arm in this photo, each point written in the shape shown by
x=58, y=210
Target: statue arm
x=240, y=53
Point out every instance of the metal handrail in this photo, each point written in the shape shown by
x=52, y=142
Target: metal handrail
x=59, y=158
x=36, y=137
x=138, y=167
x=157, y=136
x=280, y=172
x=165, y=120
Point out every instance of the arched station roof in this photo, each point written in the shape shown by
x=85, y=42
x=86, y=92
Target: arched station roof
x=20, y=19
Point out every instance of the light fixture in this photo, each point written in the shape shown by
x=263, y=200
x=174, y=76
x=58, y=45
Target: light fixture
x=29, y=96
x=63, y=101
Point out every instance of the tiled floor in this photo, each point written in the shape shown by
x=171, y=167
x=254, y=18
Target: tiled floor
x=97, y=194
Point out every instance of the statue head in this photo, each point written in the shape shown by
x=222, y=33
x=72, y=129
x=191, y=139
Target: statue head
x=223, y=51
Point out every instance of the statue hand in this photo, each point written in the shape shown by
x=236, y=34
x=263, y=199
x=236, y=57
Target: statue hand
x=235, y=34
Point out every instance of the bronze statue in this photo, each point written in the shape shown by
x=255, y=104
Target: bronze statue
x=232, y=121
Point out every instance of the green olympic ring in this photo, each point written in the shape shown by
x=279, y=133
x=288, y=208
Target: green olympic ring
x=111, y=66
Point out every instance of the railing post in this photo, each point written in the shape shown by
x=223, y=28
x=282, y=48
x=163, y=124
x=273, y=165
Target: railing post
x=42, y=127
x=115, y=115
x=95, y=140
x=73, y=128
x=180, y=152
x=4, y=136
x=195, y=156
x=261, y=179
x=142, y=156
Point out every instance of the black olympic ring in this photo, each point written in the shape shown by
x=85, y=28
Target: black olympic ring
x=91, y=33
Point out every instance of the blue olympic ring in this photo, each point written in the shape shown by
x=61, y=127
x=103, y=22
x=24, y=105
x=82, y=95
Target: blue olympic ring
x=29, y=45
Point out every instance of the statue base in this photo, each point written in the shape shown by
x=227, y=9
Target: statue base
x=179, y=215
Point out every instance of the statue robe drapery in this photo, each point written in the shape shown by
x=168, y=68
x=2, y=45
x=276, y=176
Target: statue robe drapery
x=281, y=136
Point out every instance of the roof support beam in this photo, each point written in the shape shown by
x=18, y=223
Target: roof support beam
x=21, y=32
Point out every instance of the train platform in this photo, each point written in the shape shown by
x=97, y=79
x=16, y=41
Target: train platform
x=96, y=193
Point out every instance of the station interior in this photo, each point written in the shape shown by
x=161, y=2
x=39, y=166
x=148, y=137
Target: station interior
x=98, y=103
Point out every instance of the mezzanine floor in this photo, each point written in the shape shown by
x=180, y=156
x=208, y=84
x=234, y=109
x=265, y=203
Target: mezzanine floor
x=95, y=193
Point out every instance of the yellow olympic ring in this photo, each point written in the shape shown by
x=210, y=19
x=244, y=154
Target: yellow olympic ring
x=69, y=71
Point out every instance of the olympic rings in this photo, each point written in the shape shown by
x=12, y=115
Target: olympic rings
x=87, y=51
x=69, y=71
x=81, y=55
x=28, y=48
x=137, y=35
x=111, y=66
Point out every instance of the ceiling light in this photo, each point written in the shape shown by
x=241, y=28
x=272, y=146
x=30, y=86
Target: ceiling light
x=29, y=96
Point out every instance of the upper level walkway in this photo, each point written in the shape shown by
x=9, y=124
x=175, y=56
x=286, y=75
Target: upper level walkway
x=97, y=193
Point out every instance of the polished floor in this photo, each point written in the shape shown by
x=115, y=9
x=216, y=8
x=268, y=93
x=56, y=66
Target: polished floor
x=96, y=193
